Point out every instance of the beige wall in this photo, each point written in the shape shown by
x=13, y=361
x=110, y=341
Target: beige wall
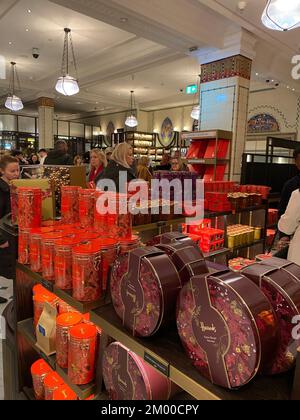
x=149, y=121
x=180, y=116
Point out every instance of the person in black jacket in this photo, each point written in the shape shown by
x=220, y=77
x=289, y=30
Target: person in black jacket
x=59, y=156
x=121, y=163
x=165, y=164
x=10, y=170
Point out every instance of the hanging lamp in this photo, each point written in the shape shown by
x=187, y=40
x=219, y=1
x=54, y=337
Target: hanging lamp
x=13, y=102
x=131, y=120
x=66, y=84
x=196, y=108
x=282, y=15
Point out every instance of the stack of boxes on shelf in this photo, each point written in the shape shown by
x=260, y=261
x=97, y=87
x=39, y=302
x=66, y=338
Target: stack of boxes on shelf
x=240, y=235
x=227, y=196
x=217, y=202
x=205, y=236
x=263, y=190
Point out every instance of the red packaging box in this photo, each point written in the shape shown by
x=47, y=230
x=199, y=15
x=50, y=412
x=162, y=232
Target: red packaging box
x=210, y=173
x=219, y=206
x=197, y=150
x=220, y=153
x=207, y=247
x=211, y=150
x=211, y=246
x=211, y=235
x=196, y=227
x=259, y=189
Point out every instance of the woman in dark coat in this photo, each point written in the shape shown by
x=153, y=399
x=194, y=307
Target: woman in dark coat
x=121, y=163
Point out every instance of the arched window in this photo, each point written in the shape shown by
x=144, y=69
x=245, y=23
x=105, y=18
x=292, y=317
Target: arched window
x=263, y=123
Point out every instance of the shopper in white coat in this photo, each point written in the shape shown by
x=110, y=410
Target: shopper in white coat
x=290, y=225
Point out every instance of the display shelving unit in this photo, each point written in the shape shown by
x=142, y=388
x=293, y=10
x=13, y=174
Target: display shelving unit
x=164, y=352
x=28, y=351
x=167, y=356
x=143, y=143
x=209, y=153
x=251, y=216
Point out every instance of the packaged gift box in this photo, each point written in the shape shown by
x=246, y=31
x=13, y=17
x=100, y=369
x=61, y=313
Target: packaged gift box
x=279, y=280
x=227, y=327
x=128, y=377
x=146, y=294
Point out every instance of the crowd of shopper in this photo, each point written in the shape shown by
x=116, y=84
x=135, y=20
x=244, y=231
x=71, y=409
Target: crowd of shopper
x=100, y=165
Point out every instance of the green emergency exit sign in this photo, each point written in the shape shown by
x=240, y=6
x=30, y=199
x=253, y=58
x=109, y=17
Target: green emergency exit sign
x=191, y=89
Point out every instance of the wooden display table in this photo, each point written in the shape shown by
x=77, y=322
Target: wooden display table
x=164, y=352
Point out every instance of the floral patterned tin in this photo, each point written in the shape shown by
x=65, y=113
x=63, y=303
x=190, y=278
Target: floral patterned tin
x=128, y=377
x=145, y=298
x=227, y=327
x=279, y=280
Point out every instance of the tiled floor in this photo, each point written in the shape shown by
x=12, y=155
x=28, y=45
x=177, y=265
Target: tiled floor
x=7, y=293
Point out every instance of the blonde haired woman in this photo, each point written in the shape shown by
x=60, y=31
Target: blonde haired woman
x=121, y=161
x=178, y=165
x=98, y=164
x=143, y=169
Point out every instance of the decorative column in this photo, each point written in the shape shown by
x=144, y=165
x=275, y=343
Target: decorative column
x=46, y=117
x=224, y=92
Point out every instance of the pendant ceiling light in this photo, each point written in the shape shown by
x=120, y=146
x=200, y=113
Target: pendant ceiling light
x=68, y=85
x=282, y=15
x=196, y=108
x=131, y=120
x=13, y=102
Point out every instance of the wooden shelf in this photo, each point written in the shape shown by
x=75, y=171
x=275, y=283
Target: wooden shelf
x=152, y=226
x=167, y=351
x=237, y=248
x=82, y=391
x=209, y=214
x=216, y=253
x=29, y=393
x=81, y=307
x=207, y=135
x=207, y=161
x=25, y=328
